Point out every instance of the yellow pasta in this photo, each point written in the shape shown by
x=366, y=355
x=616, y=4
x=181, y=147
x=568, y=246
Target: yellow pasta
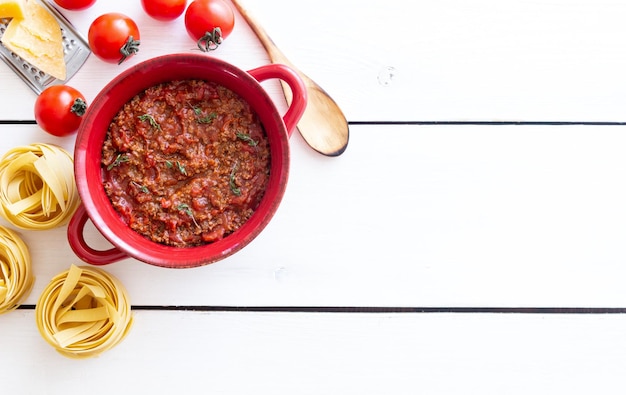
x=16, y=275
x=83, y=312
x=37, y=186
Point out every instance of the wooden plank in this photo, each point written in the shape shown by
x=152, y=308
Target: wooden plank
x=431, y=60
x=241, y=353
x=439, y=215
x=426, y=60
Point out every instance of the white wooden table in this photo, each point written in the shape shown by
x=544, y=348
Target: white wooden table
x=471, y=239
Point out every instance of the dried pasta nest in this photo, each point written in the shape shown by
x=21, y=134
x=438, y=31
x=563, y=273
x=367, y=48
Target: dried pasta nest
x=37, y=186
x=83, y=312
x=16, y=275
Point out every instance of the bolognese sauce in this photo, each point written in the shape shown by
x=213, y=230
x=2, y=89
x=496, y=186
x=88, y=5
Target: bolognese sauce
x=185, y=163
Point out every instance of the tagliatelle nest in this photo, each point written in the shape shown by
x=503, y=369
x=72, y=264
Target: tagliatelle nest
x=16, y=275
x=83, y=312
x=37, y=186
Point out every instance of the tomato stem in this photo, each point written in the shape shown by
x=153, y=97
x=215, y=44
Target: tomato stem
x=131, y=47
x=211, y=40
x=79, y=107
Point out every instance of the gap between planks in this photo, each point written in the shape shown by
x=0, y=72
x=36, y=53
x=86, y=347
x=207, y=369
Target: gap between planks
x=369, y=310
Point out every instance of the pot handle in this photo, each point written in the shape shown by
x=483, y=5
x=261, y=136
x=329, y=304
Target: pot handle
x=298, y=90
x=75, y=235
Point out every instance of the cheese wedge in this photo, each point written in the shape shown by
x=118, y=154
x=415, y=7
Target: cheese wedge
x=37, y=38
x=11, y=9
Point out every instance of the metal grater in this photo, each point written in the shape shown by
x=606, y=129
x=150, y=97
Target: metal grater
x=75, y=48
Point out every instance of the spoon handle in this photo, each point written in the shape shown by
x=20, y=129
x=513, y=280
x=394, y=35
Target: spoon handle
x=275, y=54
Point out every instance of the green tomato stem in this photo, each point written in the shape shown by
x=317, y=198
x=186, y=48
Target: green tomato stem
x=129, y=48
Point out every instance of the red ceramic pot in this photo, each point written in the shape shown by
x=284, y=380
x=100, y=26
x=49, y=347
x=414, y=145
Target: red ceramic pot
x=91, y=135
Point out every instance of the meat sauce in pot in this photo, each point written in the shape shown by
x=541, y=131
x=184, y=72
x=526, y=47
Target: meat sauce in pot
x=185, y=163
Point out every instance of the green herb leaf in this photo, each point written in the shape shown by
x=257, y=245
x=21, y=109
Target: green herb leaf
x=233, y=186
x=142, y=188
x=246, y=137
x=151, y=120
x=181, y=168
x=196, y=110
x=200, y=118
x=187, y=210
x=207, y=119
x=119, y=159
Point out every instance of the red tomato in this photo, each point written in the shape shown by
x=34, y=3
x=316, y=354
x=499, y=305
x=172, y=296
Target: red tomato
x=114, y=37
x=164, y=10
x=59, y=110
x=75, y=5
x=209, y=22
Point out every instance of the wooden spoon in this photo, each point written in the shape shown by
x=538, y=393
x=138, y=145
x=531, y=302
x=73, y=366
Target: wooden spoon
x=323, y=125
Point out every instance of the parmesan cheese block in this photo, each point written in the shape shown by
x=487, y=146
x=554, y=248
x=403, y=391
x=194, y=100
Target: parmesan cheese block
x=11, y=9
x=37, y=38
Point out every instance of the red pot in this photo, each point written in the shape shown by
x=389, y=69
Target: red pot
x=88, y=152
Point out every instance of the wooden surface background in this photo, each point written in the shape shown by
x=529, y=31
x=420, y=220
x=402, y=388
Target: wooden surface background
x=469, y=240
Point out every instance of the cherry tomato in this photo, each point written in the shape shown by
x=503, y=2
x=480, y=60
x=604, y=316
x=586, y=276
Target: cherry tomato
x=75, y=5
x=59, y=110
x=209, y=22
x=164, y=10
x=114, y=37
